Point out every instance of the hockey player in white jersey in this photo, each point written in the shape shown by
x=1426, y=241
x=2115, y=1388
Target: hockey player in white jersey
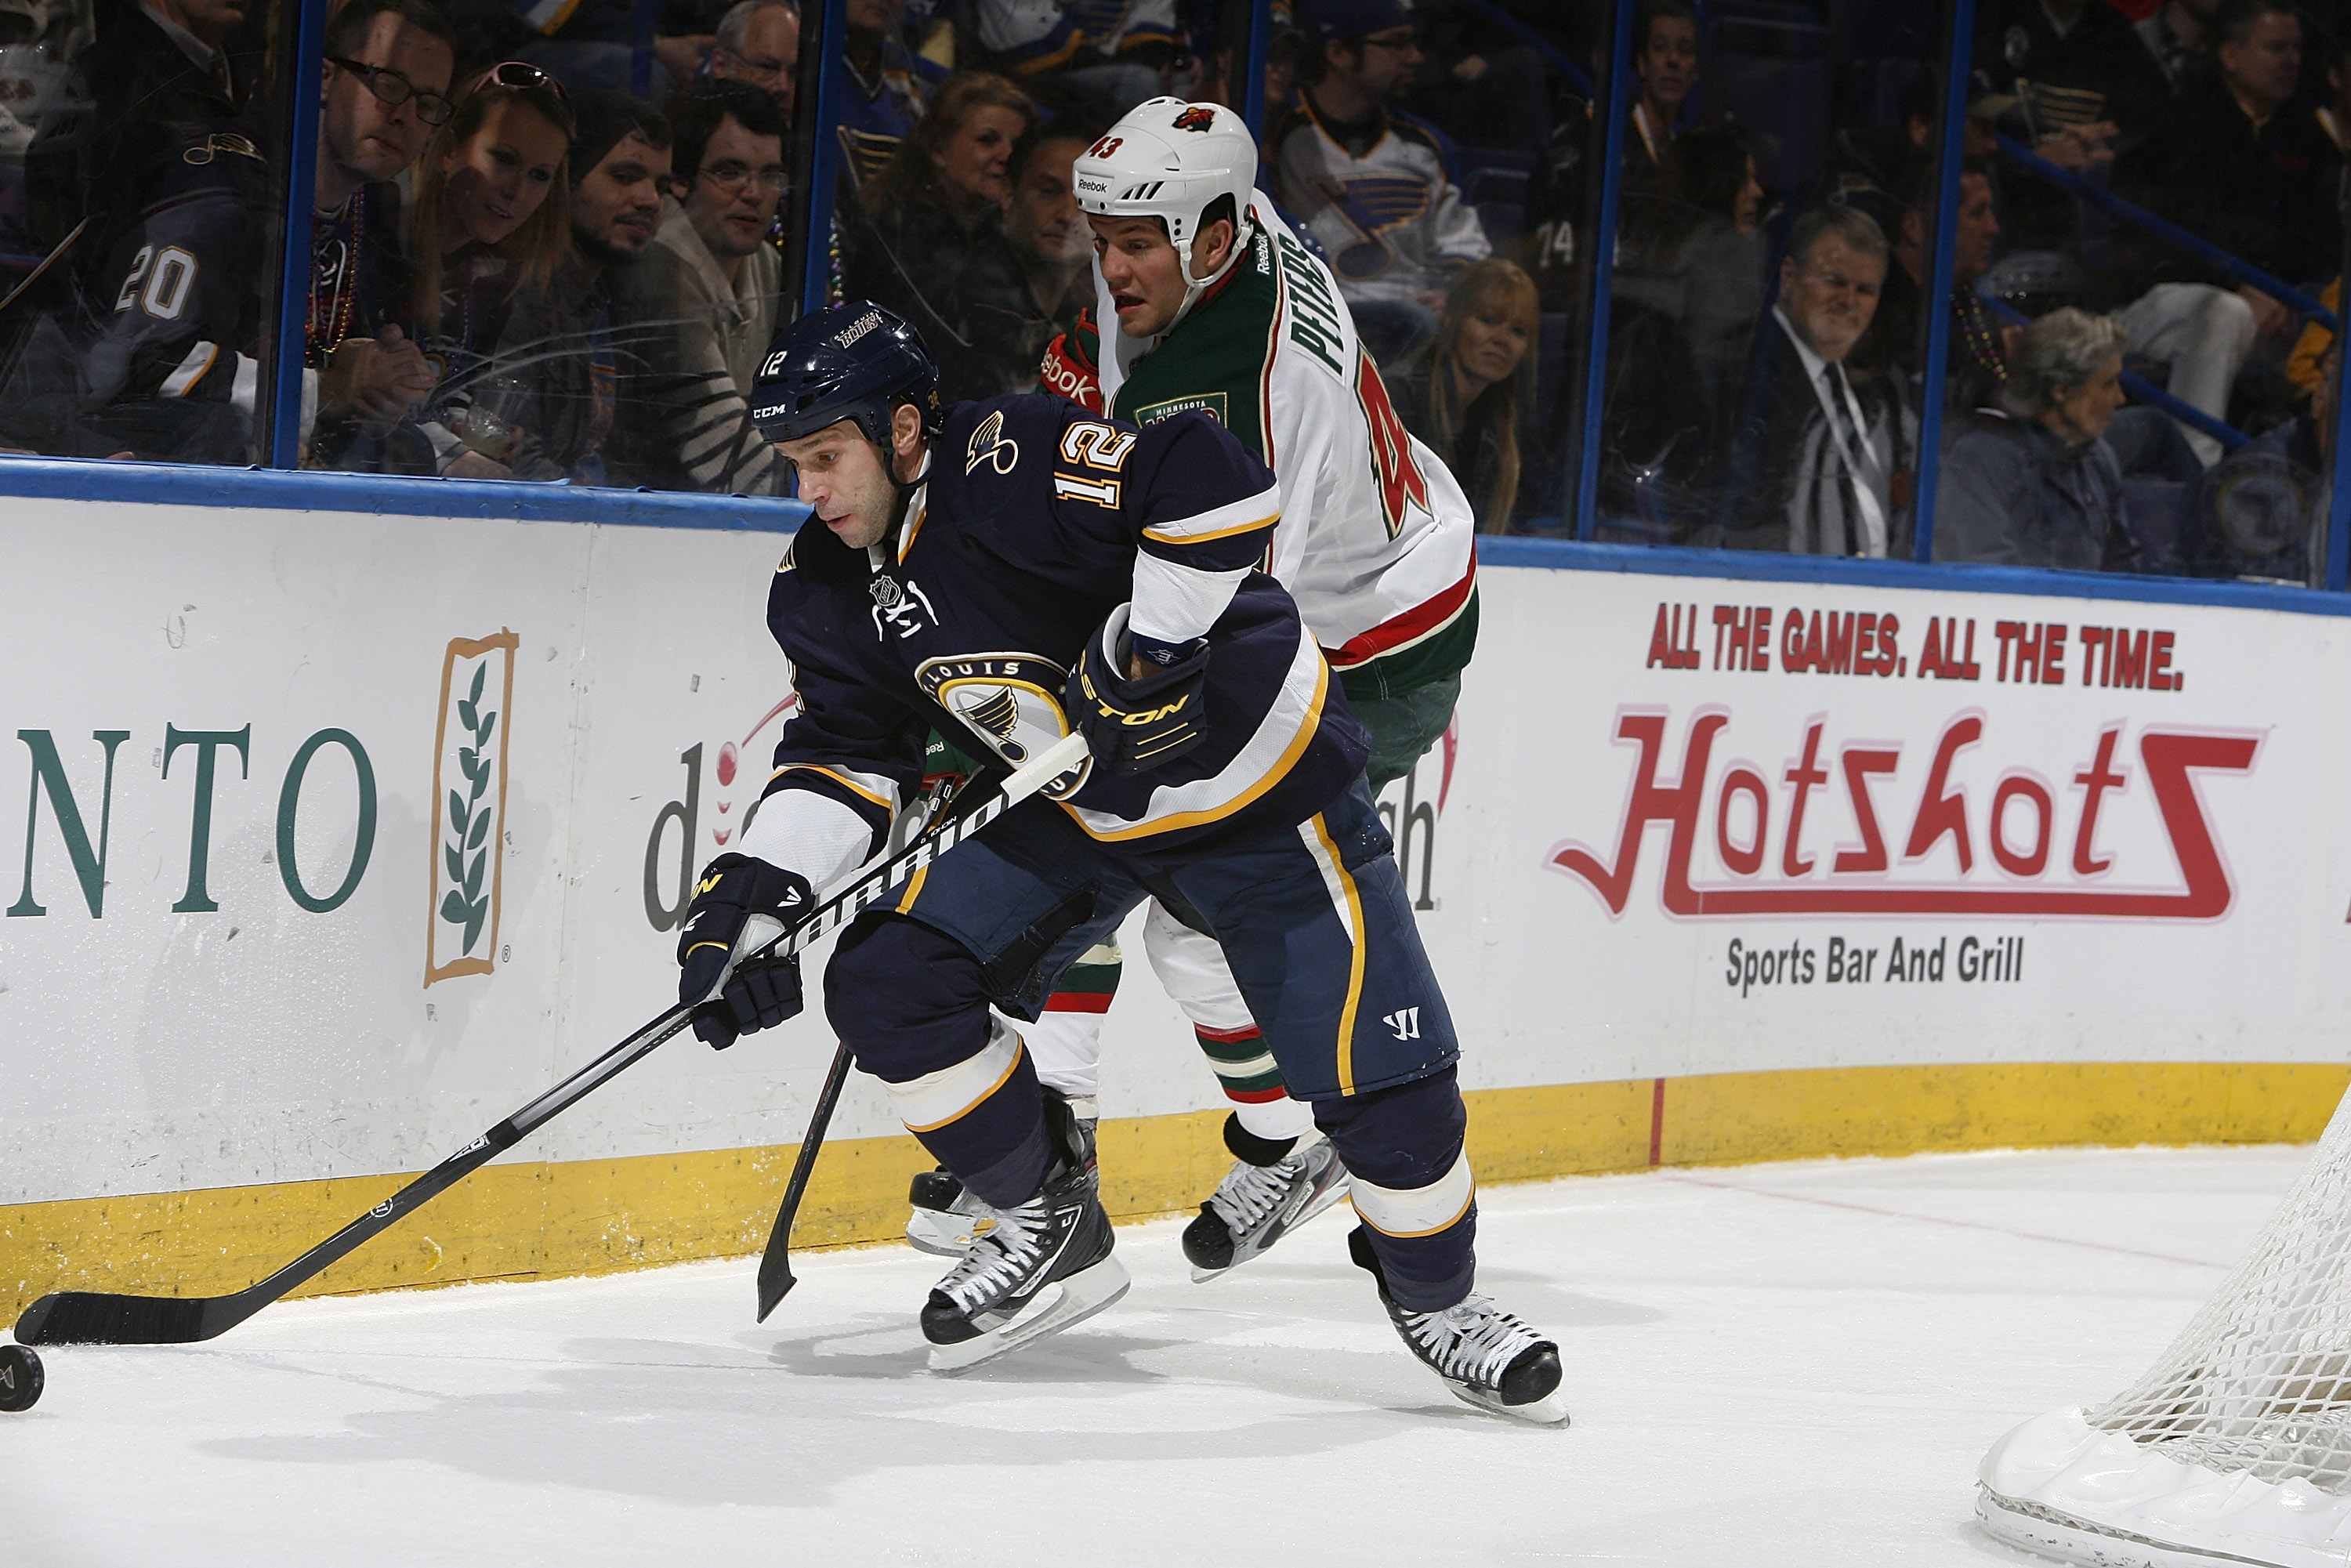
x=1214, y=304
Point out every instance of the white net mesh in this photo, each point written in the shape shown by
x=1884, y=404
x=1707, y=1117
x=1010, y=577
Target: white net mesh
x=2260, y=1381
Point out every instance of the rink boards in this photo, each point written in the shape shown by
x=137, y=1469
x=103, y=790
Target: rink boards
x=344, y=834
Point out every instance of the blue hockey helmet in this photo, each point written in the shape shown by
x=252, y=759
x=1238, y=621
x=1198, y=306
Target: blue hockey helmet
x=855, y=361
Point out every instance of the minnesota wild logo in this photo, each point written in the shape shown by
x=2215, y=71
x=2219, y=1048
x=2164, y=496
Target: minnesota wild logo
x=469, y=784
x=1200, y=117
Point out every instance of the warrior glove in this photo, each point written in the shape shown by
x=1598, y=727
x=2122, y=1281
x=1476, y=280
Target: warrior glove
x=760, y=993
x=1137, y=724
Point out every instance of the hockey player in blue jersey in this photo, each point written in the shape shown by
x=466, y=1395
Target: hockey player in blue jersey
x=1004, y=570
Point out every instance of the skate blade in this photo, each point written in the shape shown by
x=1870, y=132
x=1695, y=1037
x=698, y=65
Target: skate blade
x=1063, y=1303
x=1550, y=1410
x=1327, y=1198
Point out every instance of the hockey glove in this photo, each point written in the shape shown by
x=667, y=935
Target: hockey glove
x=1135, y=725
x=762, y=992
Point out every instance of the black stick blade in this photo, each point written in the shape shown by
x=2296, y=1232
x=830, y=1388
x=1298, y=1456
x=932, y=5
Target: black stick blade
x=89, y=1317
x=776, y=1282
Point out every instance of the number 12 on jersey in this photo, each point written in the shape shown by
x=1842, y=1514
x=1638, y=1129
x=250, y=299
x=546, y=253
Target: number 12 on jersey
x=1099, y=446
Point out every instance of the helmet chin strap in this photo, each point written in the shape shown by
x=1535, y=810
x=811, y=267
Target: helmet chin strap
x=1195, y=286
x=905, y=489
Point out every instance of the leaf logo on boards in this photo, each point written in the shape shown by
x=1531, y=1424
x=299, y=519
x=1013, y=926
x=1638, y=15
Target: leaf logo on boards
x=469, y=787
x=2043, y=862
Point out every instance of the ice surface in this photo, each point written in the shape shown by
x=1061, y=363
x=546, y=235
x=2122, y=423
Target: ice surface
x=1772, y=1366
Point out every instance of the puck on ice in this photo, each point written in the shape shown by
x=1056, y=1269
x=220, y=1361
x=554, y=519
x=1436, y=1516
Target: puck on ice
x=20, y=1377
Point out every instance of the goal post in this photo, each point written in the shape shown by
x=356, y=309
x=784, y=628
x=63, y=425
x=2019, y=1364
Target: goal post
x=2234, y=1451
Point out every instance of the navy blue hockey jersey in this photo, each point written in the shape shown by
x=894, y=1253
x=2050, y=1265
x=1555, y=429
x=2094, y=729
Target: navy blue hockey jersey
x=1036, y=522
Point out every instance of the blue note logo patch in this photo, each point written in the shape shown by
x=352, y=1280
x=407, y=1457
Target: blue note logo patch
x=1010, y=701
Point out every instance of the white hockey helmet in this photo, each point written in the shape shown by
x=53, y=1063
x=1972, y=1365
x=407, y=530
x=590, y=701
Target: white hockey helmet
x=1171, y=160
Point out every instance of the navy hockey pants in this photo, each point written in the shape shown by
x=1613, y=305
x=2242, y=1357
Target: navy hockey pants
x=1319, y=934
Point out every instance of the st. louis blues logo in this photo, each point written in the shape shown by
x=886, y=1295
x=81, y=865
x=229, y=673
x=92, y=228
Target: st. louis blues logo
x=1198, y=116
x=1010, y=701
x=1371, y=206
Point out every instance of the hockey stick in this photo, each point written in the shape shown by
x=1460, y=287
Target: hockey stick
x=91, y=1317
x=776, y=1277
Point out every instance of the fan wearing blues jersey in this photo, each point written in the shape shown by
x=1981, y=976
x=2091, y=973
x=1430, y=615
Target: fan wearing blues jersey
x=1007, y=570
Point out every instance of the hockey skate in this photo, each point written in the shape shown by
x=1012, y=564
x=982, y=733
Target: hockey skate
x=1487, y=1356
x=1030, y=1271
x=1257, y=1205
x=943, y=1212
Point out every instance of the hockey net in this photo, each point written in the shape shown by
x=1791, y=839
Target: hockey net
x=2236, y=1447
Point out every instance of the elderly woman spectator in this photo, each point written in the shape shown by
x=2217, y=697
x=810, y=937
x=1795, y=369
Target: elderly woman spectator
x=1462, y=397
x=2033, y=483
x=928, y=240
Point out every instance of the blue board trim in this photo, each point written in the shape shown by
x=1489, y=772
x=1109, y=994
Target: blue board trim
x=171, y=484
x=1762, y=566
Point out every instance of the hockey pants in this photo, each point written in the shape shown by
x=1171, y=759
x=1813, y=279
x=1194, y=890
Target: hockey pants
x=1066, y=1040
x=1319, y=937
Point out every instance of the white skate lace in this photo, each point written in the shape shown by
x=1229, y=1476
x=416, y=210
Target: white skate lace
x=1005, y=1246
x=1249, y=1193
x=1472, y=1341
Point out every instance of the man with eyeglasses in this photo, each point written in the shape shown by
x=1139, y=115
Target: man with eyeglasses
x=714, y=284
x=1370, y=182
x=758, y=42
x=389, y=64
x=1818, y=459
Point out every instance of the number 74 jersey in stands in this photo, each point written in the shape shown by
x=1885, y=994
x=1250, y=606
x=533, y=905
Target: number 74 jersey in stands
x=1034, y=523
x=1376, y=539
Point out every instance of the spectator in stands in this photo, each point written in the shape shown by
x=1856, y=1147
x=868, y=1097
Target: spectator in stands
x=1976, y=362
x=1717, y=251
x=1686, y=292
x=1464, y=397
x=2145, y=443
x=1370, y=183
x=1118, y=49
x=758, y=42
x=1049, y=238
x=169, y=60
x=880, y=89
x=490, y=218
x=714, y=285
x=2264, y=510
x=1665, y=60
x=2176, y=36
x=2033, y=482
x=563, y=354
x=2310, y=347
x=388, y=67
x=929, y=239
x=155, y=359
x=2242, y=165
x=1483, y=84
x=1813, y=455
x=2076, y=63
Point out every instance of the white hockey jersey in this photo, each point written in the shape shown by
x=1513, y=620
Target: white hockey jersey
x=1376, y=541
x=1392, y=221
